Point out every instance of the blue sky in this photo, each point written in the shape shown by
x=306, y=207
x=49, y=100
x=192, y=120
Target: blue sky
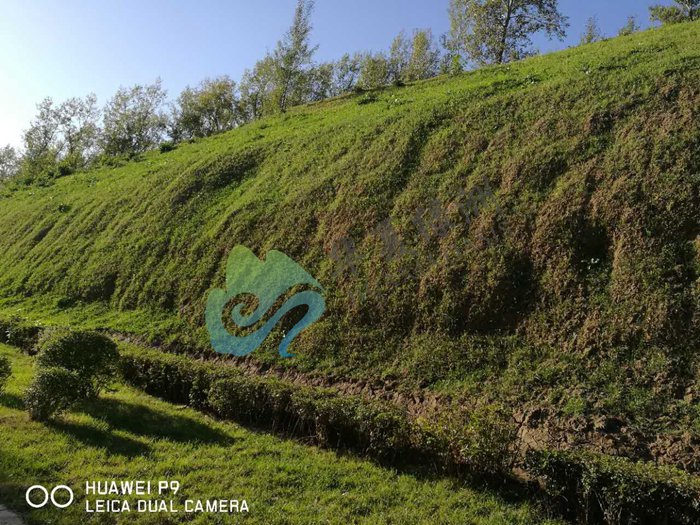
x=75, y=47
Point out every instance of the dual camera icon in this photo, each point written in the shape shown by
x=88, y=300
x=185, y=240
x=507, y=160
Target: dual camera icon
x=35, y=501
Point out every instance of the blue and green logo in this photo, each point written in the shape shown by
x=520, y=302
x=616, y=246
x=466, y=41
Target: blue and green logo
x=253, y=288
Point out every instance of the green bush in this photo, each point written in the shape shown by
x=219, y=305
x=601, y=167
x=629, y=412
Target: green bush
x=71, y=366
x=52, y=391
x=376, y=428
x=479, y=441
x=18, y=333
x=168, y=146
x=594, y=488
x=169, y=377
x=92, y=356
x=5, y=371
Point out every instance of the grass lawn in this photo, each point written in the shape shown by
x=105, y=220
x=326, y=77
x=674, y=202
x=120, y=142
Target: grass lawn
x=127, y=435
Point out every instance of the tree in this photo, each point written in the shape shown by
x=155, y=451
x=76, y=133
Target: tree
x=66, y=133
x=134, y=120
x=683, y=11
x=321, y=81
x=374, y=71
x=9, y=162
x=630, y=27
x=399, y=56
x=210, y=108
x=592, y=32
x=257, y=88
x=77, y=126
x=451, y=61
x=293, y=58
x=40, y=139
x=346, y=72
x=425, y=57
x=498, y=31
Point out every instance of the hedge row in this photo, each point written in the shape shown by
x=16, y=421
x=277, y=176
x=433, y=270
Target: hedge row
x=594, y=488
x=380, y=430
x=19, y=333
x=588, y=488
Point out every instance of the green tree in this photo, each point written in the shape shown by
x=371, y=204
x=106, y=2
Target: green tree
x=346, y=73
x=498, y=31
x=65, y=132
x=293, y=59
x=682, y=11
x=374, y=71
x=321, y=81
x=592, y=32
x=77, y=120
x=424, y=60
x=399, y=57
x=40, y=141
x=257, y=90
x=450, y=61
x=210, y=108
x=134, y=120
x=40, y=144
x=9, y=162
x=630, y=27
x=61, y=138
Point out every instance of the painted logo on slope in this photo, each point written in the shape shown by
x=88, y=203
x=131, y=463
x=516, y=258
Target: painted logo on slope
x=267, y=282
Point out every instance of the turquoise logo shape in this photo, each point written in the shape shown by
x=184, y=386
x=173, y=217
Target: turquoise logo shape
x=268, y=281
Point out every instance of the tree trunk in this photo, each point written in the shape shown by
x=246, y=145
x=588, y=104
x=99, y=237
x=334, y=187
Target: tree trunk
x=504, y=33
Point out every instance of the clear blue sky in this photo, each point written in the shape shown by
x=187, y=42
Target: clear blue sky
x=74, y=47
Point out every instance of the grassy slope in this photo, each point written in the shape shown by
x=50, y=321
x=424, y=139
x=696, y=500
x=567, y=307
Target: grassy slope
x=574, y=288
x=128, y=435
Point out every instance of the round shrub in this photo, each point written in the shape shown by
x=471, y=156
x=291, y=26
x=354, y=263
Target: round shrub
x=5, y=371
x=53, y=391
x=92, y=356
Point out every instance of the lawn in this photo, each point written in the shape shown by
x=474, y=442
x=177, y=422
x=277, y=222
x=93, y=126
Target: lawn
x=127, y=435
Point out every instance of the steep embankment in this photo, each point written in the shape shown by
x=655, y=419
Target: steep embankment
x=524, y=235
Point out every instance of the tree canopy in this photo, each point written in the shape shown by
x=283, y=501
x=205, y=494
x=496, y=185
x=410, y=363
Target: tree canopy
x=682, y=11
x=498, y=31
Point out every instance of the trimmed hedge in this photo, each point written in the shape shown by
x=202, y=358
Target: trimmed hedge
x=377, y=429
x=590, y=488
x=594, y=488
x=18, y=333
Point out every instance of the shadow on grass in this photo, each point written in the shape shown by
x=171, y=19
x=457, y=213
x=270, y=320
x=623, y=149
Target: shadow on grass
x=142, y=420
x=97, y=438
x=12, y=401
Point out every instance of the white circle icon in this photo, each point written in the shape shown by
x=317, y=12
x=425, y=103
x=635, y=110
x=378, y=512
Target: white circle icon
x=52, y=496
x=62, y=505
x=37, y=505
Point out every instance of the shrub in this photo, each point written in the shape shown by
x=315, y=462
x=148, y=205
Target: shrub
x=5, y=371
x=603, y=489
x=481, y=440
x=17, y=333
x=167, y=146
x=169, y=376
x=92, y=356
x=53, y=391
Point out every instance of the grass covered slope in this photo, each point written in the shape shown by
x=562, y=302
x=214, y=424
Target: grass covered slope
x=570, y=293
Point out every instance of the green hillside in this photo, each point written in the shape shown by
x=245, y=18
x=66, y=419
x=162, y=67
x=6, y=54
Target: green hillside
x=568, y=295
